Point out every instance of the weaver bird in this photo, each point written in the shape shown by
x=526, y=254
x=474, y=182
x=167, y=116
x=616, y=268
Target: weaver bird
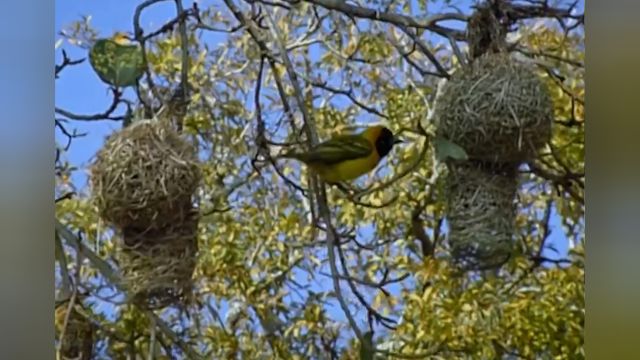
x=121, y=38
x=347, y=157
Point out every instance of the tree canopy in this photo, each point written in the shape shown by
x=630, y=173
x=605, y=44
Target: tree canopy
x=284, y=271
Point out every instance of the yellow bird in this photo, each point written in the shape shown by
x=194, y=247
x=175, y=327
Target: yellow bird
x=121, y=38
x=347, y=157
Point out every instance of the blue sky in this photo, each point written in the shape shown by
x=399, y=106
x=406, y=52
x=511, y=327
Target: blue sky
x=79, y=90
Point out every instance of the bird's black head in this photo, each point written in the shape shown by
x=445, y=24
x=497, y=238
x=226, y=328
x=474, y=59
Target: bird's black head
x=385, y=142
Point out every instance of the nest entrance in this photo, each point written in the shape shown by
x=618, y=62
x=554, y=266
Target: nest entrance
x=481, y=213
x=145, y=176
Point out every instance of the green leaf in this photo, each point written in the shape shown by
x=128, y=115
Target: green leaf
x=116, y=64
x=447, y=149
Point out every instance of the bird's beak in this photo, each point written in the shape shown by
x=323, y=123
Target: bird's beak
x=398, y=141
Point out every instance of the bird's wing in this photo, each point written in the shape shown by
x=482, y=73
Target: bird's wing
x=338, y=149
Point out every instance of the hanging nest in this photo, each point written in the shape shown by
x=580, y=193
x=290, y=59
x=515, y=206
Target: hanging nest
x=158, y=264
x=497, y=109
x=487, y=29
x=78, y=334
x=144, y=177
x=481, y=213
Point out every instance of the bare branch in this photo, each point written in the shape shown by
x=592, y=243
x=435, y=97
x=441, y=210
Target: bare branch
x=66, y=61
x=325, y=213
x=139, y=36
x=65, y=132
x=184, y=69
x=532, y=54
x=72, y=302
x=407, y=57
x=293, y=77
x=456, y=51
x=105, y=269
x=429, y=23
x=349, y=94
x=442, y=72
x=332, y=243
x=417, y=229
x=106, y=115
x=383, y=320
x=65, y=196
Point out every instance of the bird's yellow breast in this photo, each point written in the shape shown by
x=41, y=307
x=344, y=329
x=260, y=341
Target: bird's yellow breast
x=347, y=170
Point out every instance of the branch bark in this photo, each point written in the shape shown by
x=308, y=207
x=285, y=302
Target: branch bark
x=430, y=23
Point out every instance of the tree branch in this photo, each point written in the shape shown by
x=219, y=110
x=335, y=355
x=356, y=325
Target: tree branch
x=184, y=69
x=383, y=320
x=66, y=61
x=105, y=269
x=429, y=23
x=426, y=51
x=318, y=188
x=349, y=94
x=106, y=115
x=139, y=36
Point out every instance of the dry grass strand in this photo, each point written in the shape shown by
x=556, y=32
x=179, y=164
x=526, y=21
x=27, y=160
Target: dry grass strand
x=145, y=176
x=498, y=110
x=481, y=213
x=157, y=265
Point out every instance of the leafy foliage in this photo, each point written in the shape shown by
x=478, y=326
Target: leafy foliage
x=264, y=278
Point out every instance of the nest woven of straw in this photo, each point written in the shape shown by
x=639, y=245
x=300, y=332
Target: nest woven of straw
x=78, y=334
x=157, y=265
x=145, y=176
x=485, y=32
x=497, y=109
x=481, y=213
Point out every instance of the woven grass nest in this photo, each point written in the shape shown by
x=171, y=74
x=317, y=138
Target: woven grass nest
x=157, y=265
x=78, y=334
x=145, y=176
x=497, y=109
x=481, y=213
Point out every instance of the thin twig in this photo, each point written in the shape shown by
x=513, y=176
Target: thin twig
x=293, y=77
x=65, y=132
x=66, y=61
x=105, y=269
x=184, y=70
x=429, y=23
x=318, y=188
x=169, y=25
x=442, y=72
x=407, y=57
x=383, y=320
x=139, y=36
x=529, y=53
x=349, y=94
x=331, y=246
x=72, y=301
x=106, y=115
x=61, y=258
